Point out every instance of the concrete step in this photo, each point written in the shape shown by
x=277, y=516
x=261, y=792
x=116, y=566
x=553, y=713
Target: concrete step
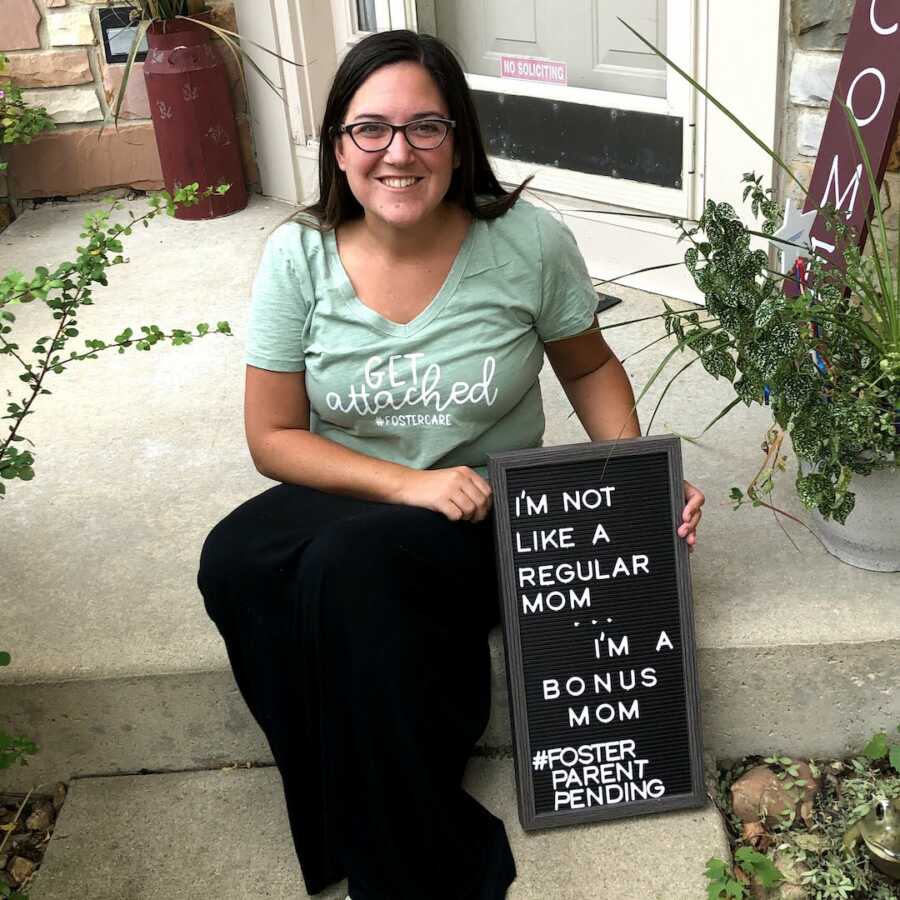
x=225, y=835
x=116, y=667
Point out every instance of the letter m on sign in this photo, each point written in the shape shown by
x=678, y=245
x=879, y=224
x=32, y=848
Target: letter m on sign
x=869, y=83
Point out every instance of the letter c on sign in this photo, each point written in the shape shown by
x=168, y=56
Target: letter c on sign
x=863, y=122
x=875, y=26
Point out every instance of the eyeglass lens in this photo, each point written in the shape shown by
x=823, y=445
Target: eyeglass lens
x=424, y=135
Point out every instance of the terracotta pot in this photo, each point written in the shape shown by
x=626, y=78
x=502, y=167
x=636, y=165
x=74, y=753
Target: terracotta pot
x=193, y=117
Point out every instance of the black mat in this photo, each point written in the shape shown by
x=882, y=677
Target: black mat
x=605, y=301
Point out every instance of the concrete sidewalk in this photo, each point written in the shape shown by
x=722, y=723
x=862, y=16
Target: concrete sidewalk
x=116, y=667
x=225, y=836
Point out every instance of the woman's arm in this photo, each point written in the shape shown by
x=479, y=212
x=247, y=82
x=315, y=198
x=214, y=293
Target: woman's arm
x=276, y=420
x=600, y=393
x=596, y=384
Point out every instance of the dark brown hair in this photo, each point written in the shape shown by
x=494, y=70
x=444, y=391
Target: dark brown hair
x=473, y=179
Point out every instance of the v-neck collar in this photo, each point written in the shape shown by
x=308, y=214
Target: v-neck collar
x=439, y=301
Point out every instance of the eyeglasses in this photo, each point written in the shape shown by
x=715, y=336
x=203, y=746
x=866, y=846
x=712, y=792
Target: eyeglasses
x=422, y=134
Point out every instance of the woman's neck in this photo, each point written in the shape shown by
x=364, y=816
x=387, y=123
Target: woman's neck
x=398, y=245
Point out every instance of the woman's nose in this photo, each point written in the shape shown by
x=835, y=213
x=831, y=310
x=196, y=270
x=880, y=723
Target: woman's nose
x=399, y=149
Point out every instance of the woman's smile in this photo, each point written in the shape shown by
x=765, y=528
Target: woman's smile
x=399, y=182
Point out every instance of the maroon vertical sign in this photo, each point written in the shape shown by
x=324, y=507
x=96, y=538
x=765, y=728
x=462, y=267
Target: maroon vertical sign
x=869, y=83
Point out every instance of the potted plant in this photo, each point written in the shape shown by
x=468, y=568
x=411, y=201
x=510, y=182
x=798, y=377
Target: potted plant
x=827, y=362
x=190, y=100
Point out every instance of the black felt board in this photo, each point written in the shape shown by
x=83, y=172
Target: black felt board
x=564, y=638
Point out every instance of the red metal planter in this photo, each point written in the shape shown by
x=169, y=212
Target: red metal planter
x=193, y=116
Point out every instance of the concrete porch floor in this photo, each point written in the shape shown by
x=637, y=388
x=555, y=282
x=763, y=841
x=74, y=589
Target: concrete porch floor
x=117, y=669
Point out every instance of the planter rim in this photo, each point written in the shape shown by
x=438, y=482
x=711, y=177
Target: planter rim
x=174, y=26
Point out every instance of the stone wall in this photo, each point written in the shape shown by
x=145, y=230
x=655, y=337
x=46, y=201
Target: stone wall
x=816, y=34
x=56, y=56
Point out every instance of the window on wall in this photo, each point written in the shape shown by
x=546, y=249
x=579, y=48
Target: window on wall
x=118, y=33
x=366, y=16
x=354, y=19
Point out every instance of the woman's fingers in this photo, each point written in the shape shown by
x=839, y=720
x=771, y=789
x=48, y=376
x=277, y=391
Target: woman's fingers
x=476, y=490
x=691, y=515
x=475, y=501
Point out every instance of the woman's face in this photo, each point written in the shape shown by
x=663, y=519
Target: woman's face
x=400, y=186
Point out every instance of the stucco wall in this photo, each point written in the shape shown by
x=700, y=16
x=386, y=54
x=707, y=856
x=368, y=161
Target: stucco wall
x=816, y=35
x=56, y=56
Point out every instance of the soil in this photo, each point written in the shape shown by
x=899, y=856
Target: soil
x=25, y=832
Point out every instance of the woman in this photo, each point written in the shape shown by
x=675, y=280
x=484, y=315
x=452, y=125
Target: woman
x=393, y=344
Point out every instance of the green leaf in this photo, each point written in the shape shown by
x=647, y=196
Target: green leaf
x=758, y=864
x=4, y=658
x=716, y=869
x=877, y=748
x=894, y=757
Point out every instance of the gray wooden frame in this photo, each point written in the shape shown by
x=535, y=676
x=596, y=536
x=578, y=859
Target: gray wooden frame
x=543, y=457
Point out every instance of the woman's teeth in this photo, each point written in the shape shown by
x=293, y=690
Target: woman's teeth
x=398, y=182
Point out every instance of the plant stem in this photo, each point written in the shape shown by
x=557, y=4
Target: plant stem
x=13, y=353
x=8, y=834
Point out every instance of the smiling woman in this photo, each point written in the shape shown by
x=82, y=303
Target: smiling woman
x=396, y=183
x=397, y=330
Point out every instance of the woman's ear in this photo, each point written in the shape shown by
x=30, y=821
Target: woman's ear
x=339, y=154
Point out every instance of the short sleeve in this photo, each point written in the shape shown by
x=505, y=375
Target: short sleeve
x=279, y=304
x=568, y=299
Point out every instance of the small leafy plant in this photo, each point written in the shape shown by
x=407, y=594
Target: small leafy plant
x=13, y=749
x=727, y=883
x=19, y=122
x=65, y=290
x=827, y=365
x=879, y=749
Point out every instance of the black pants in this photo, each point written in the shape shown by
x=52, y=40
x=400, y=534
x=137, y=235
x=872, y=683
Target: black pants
x=357, y=632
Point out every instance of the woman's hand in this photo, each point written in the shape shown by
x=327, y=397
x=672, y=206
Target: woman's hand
x=691, y=516
x=458, y=493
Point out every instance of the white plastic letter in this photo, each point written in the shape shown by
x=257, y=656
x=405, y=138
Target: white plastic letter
x=878, y=29
x=663, y=642
x=870, y=71
x=839, y=197
x=551, y=688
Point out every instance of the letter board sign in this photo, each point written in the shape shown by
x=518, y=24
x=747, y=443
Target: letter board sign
x=598, y=627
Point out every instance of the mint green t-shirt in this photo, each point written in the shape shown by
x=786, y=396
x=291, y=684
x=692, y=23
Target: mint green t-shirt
x=456, y=383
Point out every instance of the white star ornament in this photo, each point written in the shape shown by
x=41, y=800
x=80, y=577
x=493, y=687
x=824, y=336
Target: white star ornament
x=795, y=229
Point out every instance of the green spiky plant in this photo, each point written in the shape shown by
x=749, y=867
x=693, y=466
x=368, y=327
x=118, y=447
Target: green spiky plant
x=148, y=13
x=834, y=389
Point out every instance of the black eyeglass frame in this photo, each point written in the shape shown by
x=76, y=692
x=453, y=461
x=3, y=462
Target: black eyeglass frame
x=348, y=129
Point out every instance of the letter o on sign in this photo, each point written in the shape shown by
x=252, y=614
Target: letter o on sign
x=863, y=122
